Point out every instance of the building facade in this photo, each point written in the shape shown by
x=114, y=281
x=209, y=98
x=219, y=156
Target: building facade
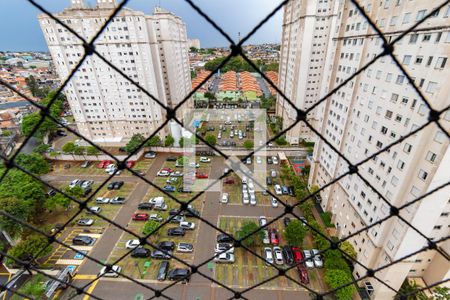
x=107, y=107
x=307, y=26
x=369, y=113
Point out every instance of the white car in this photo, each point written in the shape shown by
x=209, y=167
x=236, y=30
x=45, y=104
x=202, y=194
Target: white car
x=245, y=198
x=248, y=161
x=278, y=255
x=274, y=202
x=277, y=188
x=74, y=183
x=156, y=200
x=102, y=200
x=252, y=199
x=251, y=187
x=94, y=209
x=205, y=159
x=262, y=221
x=275, y=160
x=187, y=225
x=110, y=168
x=224, y=198
x=223, y=247
x=114, y=272
x=155, y=217
x=185, y=248
x=163, y=173
x=244, y=188
x=317, y=259
x=268, y=255
x=131, y=244
x=308, y=261
x=266, y=240
x=273, y=173
x=258, y=160
x=244, y=180
x=224, y=258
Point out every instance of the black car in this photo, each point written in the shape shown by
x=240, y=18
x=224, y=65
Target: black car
x=286, y=221
x=175, y=219
x=177, y=231
x=288, y=255
x=51, y=193
x=269, y=180
x=111, y=186
x=182, y=189
x=291, y=191
x=223, y=238
x=145, y=205
x=83, y=240
x=284, y=190
x=171, y=158
x=175, y=211
x=118, y=185
x=160, y=254
x=162, y=272
x=166, y=245
x=269, y=160
x=191, y=212
x=179, y=274
x=87, y=191
x=140, y=252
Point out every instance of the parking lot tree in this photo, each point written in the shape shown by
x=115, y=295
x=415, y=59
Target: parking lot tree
x=79, y=150
x=210, y=139
x=336, y=278
x=91, y=150
x=441, y=293
x=69, y=147
x=42, y=148
x=17, y=208
x=153, y=141
x=334, y=260
x=34, y=163
x=295, y=233
x=347, y=247
x=61, y=200
x=134, y=143
x=33, y=247
x=248, y=144
x=150, y=227
x=248, y=227
x=169, y=141
x=182, y=160
x=281, y=141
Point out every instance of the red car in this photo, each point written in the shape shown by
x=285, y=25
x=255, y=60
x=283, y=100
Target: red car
x=274, y=240
x=201, y=175
x=140, y=217
x=167, y=169
x=303, y=274
x=298, y=255
x=104, y=163
x=131, y=163
x=228, y=181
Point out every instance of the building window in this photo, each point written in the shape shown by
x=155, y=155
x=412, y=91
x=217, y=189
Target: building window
x=419, y=60
x=422, y=174
x=400, y=79
x=426, y=38
x=388, y=114
x=420, y=14
x=400, y=165
x=406, y=18
x=413, y=38
x=406, y=59
x=432, y=87
x=431, y=157
x=440, y=63
x=407, y=148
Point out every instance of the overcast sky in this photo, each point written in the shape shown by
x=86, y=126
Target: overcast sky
x=20, y=31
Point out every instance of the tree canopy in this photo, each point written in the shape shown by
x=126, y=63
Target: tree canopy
x=295, y=233
x=31, y=246
x=247, y=228
x=134, y=143
x=34, y=163
x=211, y=139
x=336, y=278
x=149, y=227
x=237, y=64
x=169, y=141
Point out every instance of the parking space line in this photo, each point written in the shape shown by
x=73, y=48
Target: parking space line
x=90, y=290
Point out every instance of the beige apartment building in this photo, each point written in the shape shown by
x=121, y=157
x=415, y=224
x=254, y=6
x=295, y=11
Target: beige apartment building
x=107, y=108
x=369, y=113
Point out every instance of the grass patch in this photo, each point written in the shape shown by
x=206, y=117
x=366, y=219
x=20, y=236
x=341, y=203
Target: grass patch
x=326, y=218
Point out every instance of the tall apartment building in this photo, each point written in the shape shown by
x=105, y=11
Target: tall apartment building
x=373, y=110
x=107, y=108
x=307, y=26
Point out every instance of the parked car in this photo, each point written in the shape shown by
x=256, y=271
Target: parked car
x=277, y=188
x=163, y=173
x=183, y=189
x=166, y=245
x=245, y=198
x=74, y=183
x=288, y=255
x=224, y=258
x=157, y=254
x=224, y=198
x=248, y=161
x=187, y=225
x=191, y=212
x=94, y=209
x=269, y=160
x=156, y=200
x=303, y=274
x=162, y=271
x=275, y=160
x=150, y=154
x=274, y=202
x=205, y=159
x=145, y=205
x=87, y=191
x=266, y=239
x=274, y=240
x=252, y=199
x=308, y=259
x=156, y=217
x=228, y=180
x=258, y=160
x=102, y=200
x=140, y=217
x=175, y=219
x=113, y=272
x=177, y=231
x=318, y=263
x=171, y=158
x=224, y=247
x=131, y=244
x=200, y=175
x=176, y=174
x=262, y=221
x=278, y=255
x=85, y=222
x=224, y=238
x=83, y=240
x=298, y=254
x=268, y=255
x=291, y=191
x=185, y=247
x=140, y=252
x=85, y=164
x=269, y=180
x=273, y=173
x=117, y=200
x=179, y=274
x=160, y=207
x=286, y=221
x=169, y=188
x=131, y=163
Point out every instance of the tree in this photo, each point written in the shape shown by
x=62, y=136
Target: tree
x=91, y=150
x=441, y=293
x=272, y=67
x=410, y=291
x=210, y=96
x=134, y=143
x=154, y=141
x=281, y=141
x=69, y=147
x=34, y=288
x=62, y=200
x=34, y=163
x=181, y=142
x=169, y=141
x=295, y=233
x=193, y=49
x=337, y=278
x=35, y=246
x=79, y=150
x=30, y=121
x=248, y=227
x=150, y=227
x=19, y=209
x=347, y=247
x=248, y=144
x=42, y=148
x=210, y=139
